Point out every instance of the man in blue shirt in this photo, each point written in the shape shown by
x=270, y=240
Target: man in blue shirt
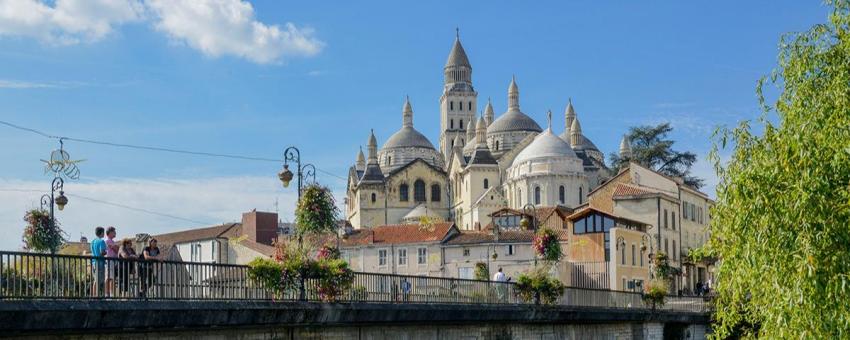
x=98, y=250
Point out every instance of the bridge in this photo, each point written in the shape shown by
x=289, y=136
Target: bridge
x=51, y=295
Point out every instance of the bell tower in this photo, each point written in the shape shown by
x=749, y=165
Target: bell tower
x=458, y=102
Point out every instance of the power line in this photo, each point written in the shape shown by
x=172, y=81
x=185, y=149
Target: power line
x=155, y=148
x=119, y=205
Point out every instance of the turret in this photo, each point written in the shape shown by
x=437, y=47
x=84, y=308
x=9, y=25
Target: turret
x=407, y=113
x=513, y=95
x=361, y=161
x=488, y=112
x=569, y=116
x=575, y=133
x=481, y=132
x=625, y=148
x=373, y=148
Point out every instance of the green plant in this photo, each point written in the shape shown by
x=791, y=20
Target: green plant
x=266, y=273
x=359, y=293
x=537, y=284
x=547, y=246
x=316, y=212
x=663, y=269
x=655, y=293
x=481, y=271
x=292, y=266
x=651, y=148
x=780, y=223
x=40, y=234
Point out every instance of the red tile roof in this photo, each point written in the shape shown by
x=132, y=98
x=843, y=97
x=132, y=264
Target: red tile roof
x=399, y=234
x=623, y=189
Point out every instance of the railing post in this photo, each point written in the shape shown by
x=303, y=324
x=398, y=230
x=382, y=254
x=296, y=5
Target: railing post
x=302, y=292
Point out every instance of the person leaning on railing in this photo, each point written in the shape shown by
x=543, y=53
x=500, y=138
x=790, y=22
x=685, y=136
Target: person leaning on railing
x=98, y=265
x=127, y=267
x=146, y=269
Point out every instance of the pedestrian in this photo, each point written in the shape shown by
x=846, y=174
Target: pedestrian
x=405, y=290
x=127, y=266
x=499, y=277
x=146, y=271
x=111, y=264
x=98, y=250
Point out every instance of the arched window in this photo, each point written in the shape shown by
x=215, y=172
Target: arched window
x=419, y=191
x=497, y=145
x=389, y=160
x=580, y=196
x=435, y=193
x=451, y=105
x=460, y=106
x=403, y=192
x=374, y=197
x=561, y=194
x=486, y=183
x=470, y=106
x=451, y=123
x=461, y=124
x=536, y=195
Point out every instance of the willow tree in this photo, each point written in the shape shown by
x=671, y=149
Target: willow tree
x=781, y=225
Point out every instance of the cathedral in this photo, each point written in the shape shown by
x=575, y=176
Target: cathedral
x=483, y=163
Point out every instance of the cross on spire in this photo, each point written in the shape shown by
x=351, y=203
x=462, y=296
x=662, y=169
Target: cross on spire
x=457, y=32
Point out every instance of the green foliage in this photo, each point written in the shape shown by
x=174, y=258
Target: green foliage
x=482, y=272
x=537, y=282
x=547, y=246
x=39, y=234
x=651, y=148
x=329, y=274
x=655, y=293
x=663, y=269
x=266, y=273
x=780, y=224
x=359, y=293
x=316, y=211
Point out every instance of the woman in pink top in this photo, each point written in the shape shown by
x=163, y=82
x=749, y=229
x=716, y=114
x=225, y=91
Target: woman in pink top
x=111, y=254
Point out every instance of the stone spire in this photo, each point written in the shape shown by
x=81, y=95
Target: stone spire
x=457, y=143
x=488, y=112
x=481, y=132
x=549, y=120
x=575, y=133
x=361, y=161
x=373, y=148
x=470, y=129
x=569, y=116
x=513, y=95
x=625, y=148
x=407, y=113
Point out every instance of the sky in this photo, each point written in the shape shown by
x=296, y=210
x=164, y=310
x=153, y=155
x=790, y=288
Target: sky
x=252, y=78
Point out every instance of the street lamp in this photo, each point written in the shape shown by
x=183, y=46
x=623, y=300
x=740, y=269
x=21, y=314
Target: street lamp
x=646, y=243
x=527, y=210
x=48, y=201
x=308, y=170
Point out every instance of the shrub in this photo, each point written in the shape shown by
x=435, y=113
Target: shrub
x=481, y=271
x=538, y=283
x=316, y=211
x=266, y=273
x=655, y=292
x=547, y=246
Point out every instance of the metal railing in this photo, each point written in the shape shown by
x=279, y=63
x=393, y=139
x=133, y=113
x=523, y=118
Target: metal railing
x=43, y=276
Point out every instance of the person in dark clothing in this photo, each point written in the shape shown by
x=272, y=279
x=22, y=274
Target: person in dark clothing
x=148, y=268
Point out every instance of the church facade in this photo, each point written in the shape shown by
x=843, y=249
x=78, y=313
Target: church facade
x=482, y=163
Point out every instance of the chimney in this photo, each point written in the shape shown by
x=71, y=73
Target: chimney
x=260, y=227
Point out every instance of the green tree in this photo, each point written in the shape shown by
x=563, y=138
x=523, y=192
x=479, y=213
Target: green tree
x=781, y=224
x=651, y=148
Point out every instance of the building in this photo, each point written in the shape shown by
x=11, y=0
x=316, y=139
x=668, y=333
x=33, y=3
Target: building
x=482, y=163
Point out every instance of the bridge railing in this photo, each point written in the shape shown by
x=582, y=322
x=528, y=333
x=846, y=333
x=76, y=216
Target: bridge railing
x=43, y=276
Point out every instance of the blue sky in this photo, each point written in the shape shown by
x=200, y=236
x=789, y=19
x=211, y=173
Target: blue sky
x=158, y=73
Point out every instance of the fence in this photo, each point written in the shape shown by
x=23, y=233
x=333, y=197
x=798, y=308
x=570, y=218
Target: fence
x=43, y=276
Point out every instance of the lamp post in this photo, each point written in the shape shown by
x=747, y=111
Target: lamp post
x=48, y=201
x=292, y=154
x=646, y=243
x=528, y=209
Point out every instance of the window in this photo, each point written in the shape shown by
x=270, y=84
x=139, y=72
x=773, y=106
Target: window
x=451, y=123
x=374, y=197
x=633, y=255
x=464, y=273
x=422, y=256
x=402, y=257
x=497, y=145
x=389, y=160
x=536, y=195
x=580, y=196
x=641, y=257
x=623, y=255
x=673, y=219
x=486, y=183
x=461, y=124
x=674, y=251
x=465, y=251
x=700, y=215
x=382, y=257
x=460, y=107
x=419, y=191
x=666, y=249
x=470, y=106
x=510, y=249
x=666, y=222
x=561, y=194
x=580, y=226
x=435, y=193
x=685, y=210
x=403, y=192
x=451, y=105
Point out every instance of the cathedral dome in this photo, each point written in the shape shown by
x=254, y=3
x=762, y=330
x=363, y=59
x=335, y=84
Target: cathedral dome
x=513, y=120
x=545, y=145
x=407, y=137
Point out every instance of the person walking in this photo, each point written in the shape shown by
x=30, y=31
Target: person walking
x=147, y=269
x=499, y=278
x=111, y=264
x=98, y=250
x=127, y=267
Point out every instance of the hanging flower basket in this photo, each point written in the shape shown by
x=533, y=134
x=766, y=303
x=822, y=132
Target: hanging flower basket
x=547, y=246
x=39, y=234
x=316, y=211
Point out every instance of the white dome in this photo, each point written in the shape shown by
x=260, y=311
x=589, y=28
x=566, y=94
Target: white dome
x=545, y=145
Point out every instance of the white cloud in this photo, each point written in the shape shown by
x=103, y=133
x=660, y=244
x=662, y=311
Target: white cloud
x=214, y=27
x=197, y=202
x=228, y=27
x=17, y=84
x=66, y=22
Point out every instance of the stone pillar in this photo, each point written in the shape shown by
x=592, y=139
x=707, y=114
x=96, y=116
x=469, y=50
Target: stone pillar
x=652, y=331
